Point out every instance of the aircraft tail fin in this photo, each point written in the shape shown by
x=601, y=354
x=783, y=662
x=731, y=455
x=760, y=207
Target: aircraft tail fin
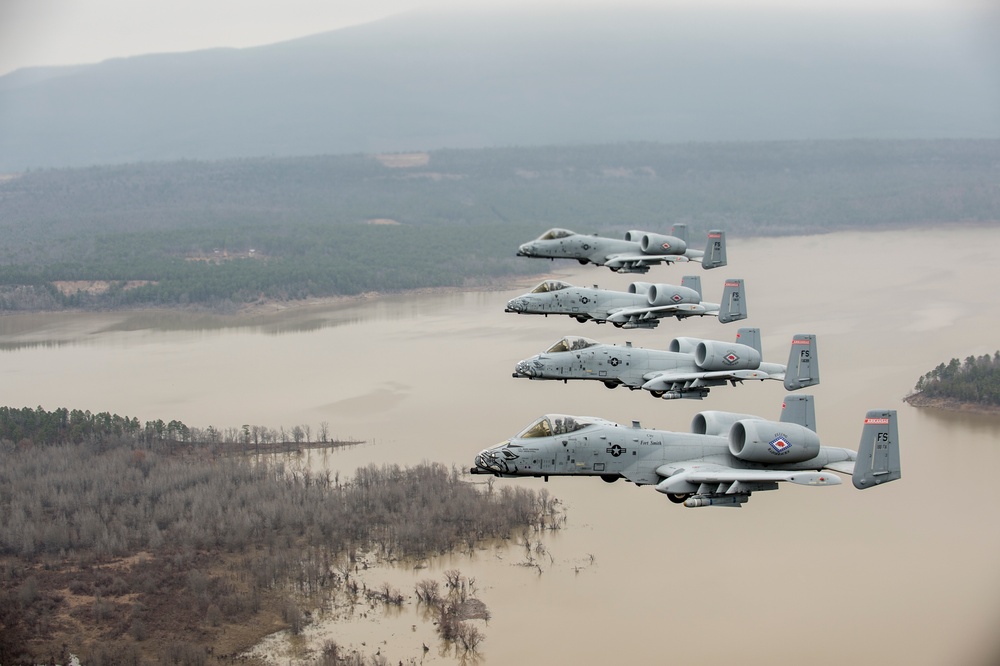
x=715, y=250
x=692, y=282
x=878, y=452
x=803, y=362
x=799, y=409
x=749, y=337
x=680, y=231
x=734, y=302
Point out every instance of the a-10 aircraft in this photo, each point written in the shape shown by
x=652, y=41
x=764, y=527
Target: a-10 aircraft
x=635, y=254
x=724, y=459
x=641, y=307
x=687, y=370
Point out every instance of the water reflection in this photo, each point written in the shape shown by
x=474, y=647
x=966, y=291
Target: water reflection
x=986, y=427
x=52, y=330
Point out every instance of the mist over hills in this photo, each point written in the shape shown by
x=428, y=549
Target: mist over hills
x=462, y=80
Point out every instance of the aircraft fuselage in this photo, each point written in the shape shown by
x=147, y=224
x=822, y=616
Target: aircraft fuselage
x=585, y=302
x=634, y=254
x=601, y=305
x=617, y=365
x=613, y=451
x=587, y=249
x=607, y=363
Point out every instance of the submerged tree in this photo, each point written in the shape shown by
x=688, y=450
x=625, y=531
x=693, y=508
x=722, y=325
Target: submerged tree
x=216, y=539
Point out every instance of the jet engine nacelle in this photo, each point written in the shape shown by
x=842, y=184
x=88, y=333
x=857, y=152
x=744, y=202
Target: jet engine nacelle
x=657, y=244
x=770, y=442
x=641, y=288
x=684, y=345
x=635, y=236
x=668, y=294
x=717, y=423
x=710, y=355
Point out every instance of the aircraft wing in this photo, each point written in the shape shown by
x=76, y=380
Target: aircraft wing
x=656, y=311
x=681, y=475
x=617, y=261
x=665, y=380
x=843, y=466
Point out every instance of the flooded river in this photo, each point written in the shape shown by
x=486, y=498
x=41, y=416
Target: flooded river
x=908, y=573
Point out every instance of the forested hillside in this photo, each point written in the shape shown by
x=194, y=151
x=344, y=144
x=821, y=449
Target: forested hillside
x=233, y=232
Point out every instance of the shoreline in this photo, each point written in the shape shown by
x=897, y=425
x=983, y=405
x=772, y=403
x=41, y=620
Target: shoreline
x=268, y=307
x=272, y=306
x=951, y=405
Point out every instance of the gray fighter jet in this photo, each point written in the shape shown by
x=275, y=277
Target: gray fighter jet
x=641, y=307
x=687, y=370
x=635, y=254
x=724, y=458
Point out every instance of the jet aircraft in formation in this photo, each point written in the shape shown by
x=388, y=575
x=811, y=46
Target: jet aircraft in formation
x=725, y=458
x=687, y=370
x=635, y=254
x=641, y=307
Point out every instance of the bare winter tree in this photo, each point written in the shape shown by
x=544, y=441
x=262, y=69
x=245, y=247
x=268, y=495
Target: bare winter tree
x=284, y=531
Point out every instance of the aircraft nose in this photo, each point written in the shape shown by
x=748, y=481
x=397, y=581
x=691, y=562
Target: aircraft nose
x=526, y=368
x=516, y=305
x=524, y=250
x=490, y=460
x=481, y=460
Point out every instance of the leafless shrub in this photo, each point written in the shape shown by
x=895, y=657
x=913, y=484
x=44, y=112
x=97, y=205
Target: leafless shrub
x=448, y=620
x=213, y=615
x=386, y=594
x=452, y=579
x=452, y=628
x=330, y=654
x=115, y=653
x=101, y=609
x=391, y=595
x=100, y=499
x=197, y=583
x=184, y=654
x=428, y=591
x=27, y=593
x=79, y=587
x=469, y=636
x=115, y=587
x=137, y=630
x=293, y=615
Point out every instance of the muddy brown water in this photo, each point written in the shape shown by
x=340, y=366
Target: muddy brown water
x=909, y=572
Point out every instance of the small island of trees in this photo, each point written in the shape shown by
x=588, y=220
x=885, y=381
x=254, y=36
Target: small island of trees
x=974, y=383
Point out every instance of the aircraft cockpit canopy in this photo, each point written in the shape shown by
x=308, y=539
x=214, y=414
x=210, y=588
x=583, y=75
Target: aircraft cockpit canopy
x=555, y=234
x=554, y=424
x=550, y=285
x=570, y=343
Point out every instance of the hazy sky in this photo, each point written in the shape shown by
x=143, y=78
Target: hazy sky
x=64, y=32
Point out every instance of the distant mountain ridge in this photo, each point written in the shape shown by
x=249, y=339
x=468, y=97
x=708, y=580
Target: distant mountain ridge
x=430, y=80
x=31, y=76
